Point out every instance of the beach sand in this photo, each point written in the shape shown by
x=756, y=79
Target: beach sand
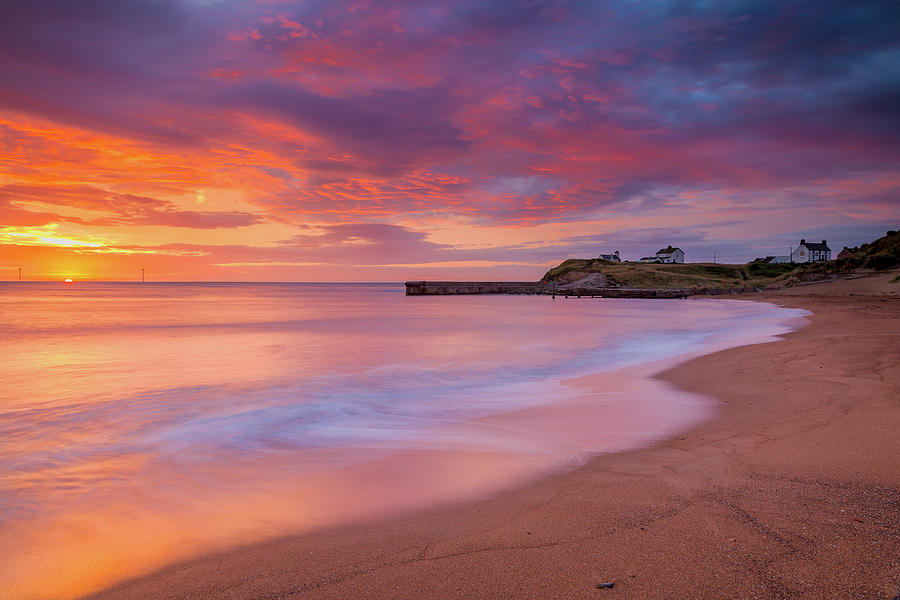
x=792, y=491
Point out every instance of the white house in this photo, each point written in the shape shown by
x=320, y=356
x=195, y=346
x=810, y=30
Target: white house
x=811, y=252
x=666, y=255
x=670, y=255
x=614, y=257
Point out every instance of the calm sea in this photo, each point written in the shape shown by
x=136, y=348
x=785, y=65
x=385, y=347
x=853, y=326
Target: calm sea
x=142, y=423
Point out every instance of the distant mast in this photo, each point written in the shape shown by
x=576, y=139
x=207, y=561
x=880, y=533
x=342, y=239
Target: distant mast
x=142, y=276
x=20, y=273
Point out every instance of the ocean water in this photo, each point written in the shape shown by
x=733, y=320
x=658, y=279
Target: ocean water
x=143, y=423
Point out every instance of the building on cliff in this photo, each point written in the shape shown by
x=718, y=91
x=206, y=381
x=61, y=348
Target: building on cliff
x=614, y=257
x=811, y=252
x=666, y=255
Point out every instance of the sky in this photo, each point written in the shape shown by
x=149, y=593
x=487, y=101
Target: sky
x=215, y=140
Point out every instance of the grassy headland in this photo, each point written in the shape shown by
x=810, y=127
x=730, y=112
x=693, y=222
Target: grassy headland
x=880, y=255
x=686, y=275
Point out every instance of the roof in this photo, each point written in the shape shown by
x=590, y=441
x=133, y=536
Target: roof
x=815, y=246
x=669, y=250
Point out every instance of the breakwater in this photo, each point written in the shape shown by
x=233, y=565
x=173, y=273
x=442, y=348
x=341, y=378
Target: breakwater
x=444, y=288
x=447, y=288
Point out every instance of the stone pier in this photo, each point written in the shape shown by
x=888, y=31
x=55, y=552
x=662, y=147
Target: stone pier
x=445, y=288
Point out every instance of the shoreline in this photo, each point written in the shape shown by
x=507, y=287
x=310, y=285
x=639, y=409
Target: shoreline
x=768, y=499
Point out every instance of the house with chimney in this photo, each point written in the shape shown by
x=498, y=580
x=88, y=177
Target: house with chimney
x=811, y=252
x=666, y=255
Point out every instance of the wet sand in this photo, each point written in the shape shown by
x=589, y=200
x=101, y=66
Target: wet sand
x=792, y=491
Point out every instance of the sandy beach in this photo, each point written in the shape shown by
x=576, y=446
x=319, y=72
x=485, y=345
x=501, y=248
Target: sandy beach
x=792, y=491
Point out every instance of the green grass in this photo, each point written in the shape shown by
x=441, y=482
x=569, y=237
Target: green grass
x=683, y=275
x=578, y=265
x=762, y=270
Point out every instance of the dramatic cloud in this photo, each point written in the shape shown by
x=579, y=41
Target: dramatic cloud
x=501, y=124
x=114, y=209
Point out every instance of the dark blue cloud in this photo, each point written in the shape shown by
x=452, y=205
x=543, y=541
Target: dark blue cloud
x=394, y=125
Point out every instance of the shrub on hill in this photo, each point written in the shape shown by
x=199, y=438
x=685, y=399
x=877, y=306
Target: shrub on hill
x=881, y=261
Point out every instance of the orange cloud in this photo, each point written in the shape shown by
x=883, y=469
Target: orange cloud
x=47, y=236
